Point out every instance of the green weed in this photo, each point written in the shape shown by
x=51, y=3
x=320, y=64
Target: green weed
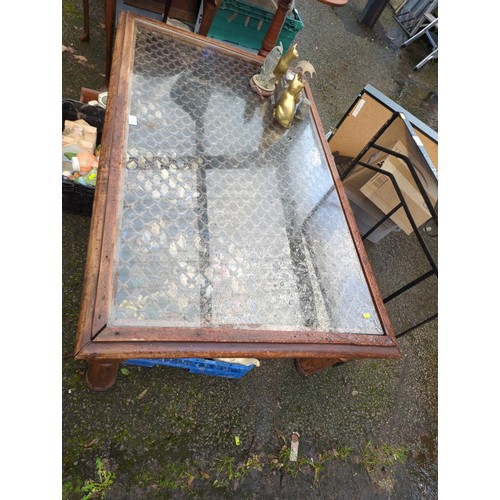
x=382, y=456
x=95, y=489
x=227, y=470
x=343, y=452
x=177, y=477
x=317, y=467
x=69, y=488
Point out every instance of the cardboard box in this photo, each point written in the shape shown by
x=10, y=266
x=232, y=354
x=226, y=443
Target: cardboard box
x=365, y=212
x=380, y=191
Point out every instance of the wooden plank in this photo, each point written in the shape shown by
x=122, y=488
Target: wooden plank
x=199, y=40
x=87, y=95
x=84, y=329
x=146, y=333
x=120, y=113
x=112, y=351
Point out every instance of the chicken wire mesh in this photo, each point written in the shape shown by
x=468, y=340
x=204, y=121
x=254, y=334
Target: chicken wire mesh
x=225, y=218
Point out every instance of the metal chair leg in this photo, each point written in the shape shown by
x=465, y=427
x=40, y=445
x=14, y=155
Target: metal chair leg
x=420, y=33
x=432, y=55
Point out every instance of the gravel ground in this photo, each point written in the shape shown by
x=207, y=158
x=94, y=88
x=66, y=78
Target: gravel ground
x=368, y=429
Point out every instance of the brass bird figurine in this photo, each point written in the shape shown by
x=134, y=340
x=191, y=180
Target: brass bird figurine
x=284, y=111
x=284, y=62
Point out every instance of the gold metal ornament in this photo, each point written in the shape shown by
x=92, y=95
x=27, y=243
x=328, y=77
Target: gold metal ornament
x=285, y=61
x=284, y=111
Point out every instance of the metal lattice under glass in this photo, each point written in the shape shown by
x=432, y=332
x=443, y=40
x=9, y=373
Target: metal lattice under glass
x=227, y=219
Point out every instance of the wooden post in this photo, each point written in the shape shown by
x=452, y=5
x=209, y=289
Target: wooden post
x=85, y=36
x=101, y=376
x=166, y=10
x=109, y=21
x=308, y=366
x=274, y=29
x=209, y=10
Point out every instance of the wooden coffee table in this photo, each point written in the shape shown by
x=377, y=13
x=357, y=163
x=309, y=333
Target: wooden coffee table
x=215, y=232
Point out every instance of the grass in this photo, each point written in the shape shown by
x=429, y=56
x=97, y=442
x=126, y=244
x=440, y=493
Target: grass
x=382, y=456
x=306, y=464
x=378, y=459
x=99, y=488
x=227, y=472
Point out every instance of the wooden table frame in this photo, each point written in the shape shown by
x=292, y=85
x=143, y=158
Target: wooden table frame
x=209, y=10
x=103, y=346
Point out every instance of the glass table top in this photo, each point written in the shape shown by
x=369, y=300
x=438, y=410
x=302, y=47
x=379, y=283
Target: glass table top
x=225, y=218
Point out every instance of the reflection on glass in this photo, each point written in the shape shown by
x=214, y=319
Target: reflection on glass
x=227, y=219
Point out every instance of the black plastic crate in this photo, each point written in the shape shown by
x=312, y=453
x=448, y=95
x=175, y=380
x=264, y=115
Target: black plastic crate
x=77, y=197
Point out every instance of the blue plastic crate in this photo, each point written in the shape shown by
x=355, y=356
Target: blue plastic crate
x=196, y=365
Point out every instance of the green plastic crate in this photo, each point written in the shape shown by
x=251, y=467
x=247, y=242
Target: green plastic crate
x=246, y=25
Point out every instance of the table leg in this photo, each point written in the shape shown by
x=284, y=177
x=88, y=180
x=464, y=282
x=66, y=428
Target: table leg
x=273, y=32
x=101, y=376
x=308, y=366
x=109, y=21
x=85, y=36
x=209, y=10
x=166, y=10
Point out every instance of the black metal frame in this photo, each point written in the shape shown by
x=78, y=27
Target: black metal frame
x=402, y=203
